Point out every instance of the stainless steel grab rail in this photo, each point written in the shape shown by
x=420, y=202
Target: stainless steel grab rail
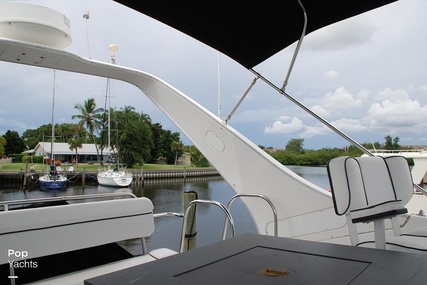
x=256, y=196
x=198, y=201
x=168, y=214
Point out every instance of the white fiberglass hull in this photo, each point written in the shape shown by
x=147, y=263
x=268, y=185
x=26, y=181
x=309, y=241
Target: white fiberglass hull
x=114, y=178
x=53, y=182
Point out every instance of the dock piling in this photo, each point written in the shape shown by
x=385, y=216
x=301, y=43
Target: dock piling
x=190, y=234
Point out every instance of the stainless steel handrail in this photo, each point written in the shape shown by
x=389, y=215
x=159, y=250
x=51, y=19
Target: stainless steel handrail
x=6, y=204
x=168, y=214
x=255, y=196
x=198, y=201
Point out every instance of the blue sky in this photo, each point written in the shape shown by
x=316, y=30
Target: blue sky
x=366, y=75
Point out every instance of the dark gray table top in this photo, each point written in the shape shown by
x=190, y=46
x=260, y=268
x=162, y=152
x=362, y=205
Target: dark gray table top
x=257, y=259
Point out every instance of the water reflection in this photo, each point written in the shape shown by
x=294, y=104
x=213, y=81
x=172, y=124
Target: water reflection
x=167, y=196
x=314, y=174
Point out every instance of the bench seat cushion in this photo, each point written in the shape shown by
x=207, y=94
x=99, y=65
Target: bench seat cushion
x=56, y=229
x=379, y=211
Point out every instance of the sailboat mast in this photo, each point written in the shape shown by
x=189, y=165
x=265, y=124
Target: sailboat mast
x=108, y=118
x=53, y=117
x=113, y=48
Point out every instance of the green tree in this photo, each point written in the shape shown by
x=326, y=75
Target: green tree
x=177, y=147
x=31, y=138
x=103, y=133
x=396, y=143
x=167, y=137
x=2, y=144
x=157, y=131
x=197, y=158
x=67, y=131
x=63, y=133
x=391, y=143
x=295, y=145
x=163, y=140
x=15, y=144
x=90, y=117
x=75, y=143
x=134, y=135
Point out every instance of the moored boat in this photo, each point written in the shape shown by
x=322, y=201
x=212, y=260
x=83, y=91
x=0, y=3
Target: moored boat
x=117, y=177
x=53, y=181
x=114, y=178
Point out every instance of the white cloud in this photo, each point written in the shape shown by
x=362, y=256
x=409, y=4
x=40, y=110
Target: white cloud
x=319, y=110
x=348, y=125
x=330, y=75
x=397, y=95
x=338, y=101
x=313, y=131
x=351, y=32
x=281, y=127
x=397, y=113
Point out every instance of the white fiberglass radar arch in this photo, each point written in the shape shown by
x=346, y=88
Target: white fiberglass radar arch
x=35, y=24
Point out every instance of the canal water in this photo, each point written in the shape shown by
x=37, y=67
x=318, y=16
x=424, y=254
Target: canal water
x=167, y=195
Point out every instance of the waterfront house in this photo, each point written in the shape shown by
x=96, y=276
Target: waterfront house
x=62, y=152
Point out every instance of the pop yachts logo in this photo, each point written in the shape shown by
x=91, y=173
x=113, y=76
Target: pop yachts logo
x=17, y=259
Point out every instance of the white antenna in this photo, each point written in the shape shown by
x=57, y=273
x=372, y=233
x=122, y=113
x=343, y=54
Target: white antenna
x=372, y=142
x=86, y=17
x=113, y=48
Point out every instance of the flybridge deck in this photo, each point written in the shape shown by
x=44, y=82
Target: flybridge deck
x=256, y=259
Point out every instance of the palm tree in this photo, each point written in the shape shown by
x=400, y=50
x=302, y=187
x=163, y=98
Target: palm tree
x=75, y=143
x=90, y=117
x=135, y=138
x=177, y=146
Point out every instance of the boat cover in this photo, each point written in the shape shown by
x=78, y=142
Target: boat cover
x=250, y=31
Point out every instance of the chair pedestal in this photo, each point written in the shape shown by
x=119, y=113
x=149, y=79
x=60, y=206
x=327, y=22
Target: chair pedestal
x=379, y=234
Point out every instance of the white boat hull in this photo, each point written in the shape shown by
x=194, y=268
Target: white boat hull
x=53, y=182
x=114, y=178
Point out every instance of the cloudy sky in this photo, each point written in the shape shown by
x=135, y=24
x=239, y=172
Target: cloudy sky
x=366, y=75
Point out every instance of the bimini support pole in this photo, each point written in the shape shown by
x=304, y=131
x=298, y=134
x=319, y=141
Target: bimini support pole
x=241, y=99
x=291, y=65
x=306, y=109
x=299, y=104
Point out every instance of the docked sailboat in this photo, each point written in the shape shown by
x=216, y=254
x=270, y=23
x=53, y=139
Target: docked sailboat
x=114, y=177
x=53, y=180
x=118, y=176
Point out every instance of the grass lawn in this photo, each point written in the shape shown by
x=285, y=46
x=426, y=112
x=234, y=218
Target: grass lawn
x=15, y=167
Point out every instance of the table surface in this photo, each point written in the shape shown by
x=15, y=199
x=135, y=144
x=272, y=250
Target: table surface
x=258, y=259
